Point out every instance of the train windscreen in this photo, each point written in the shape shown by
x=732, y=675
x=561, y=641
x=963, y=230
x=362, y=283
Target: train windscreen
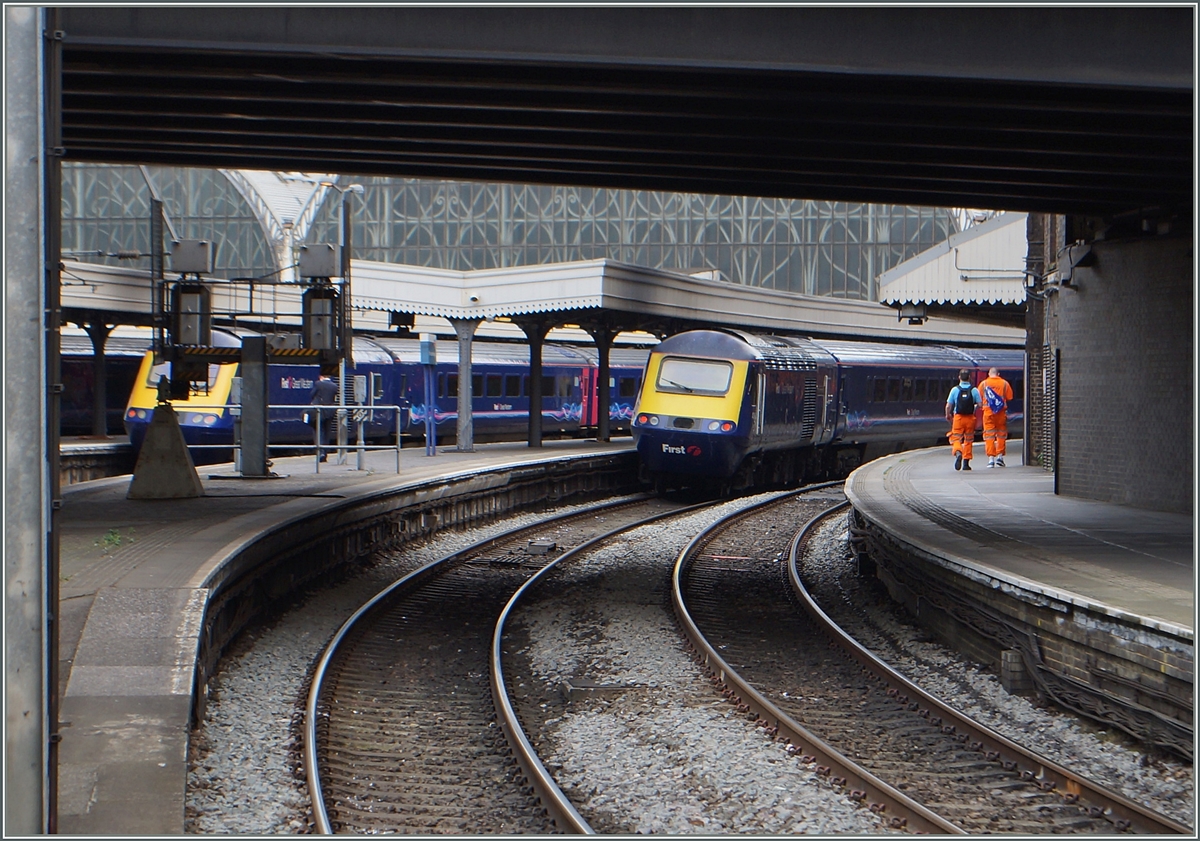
x=694, y=376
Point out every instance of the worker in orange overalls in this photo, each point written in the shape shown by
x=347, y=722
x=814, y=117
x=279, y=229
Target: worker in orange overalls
x=960, y=411
x=996, y=392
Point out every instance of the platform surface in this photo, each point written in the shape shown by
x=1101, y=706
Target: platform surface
x=1121, y=560
x=132, y=599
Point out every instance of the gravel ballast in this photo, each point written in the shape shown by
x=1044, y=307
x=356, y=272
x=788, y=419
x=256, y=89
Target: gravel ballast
x=244, y=778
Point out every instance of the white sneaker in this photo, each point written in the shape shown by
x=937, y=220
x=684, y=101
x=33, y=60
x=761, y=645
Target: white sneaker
x=999, y=461
x=991, y=462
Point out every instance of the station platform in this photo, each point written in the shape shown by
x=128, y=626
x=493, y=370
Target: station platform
x=1128, y=563
x=134, y=582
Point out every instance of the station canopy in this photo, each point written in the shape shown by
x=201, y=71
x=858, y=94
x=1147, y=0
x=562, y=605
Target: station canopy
x=978, y=274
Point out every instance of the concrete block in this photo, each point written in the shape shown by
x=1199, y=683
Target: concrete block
x=164, y=468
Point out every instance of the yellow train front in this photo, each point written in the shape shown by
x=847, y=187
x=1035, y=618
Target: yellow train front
x=734, y=409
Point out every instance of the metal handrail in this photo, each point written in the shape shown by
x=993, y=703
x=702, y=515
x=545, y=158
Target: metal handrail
x=343, y=413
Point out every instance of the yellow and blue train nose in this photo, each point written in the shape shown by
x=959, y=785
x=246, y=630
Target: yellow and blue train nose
x=691, y=426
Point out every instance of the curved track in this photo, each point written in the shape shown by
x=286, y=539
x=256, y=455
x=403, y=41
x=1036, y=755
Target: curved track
x=795, y=673
x=402, y=734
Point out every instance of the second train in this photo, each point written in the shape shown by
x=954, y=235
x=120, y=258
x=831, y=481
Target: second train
x=730, y=410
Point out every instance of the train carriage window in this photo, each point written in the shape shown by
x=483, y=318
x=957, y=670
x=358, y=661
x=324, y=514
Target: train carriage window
x=627, y=387
x=694, y=376
x=879, y=392
x=906, y=389
x=512, y=385
x=921, y=390
x=441, y=385
x=893, y=390
x=452, y=386
x=494, y=385
x=477, y=385
x=548, y=387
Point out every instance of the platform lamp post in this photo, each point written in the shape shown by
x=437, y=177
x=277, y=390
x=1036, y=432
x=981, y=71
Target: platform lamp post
x=346, y=339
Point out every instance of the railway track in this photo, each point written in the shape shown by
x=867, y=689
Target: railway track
x=880, y=737
x=402, y=734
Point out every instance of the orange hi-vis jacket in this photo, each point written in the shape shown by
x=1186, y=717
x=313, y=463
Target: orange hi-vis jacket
x=999, y=386
x=995, y=424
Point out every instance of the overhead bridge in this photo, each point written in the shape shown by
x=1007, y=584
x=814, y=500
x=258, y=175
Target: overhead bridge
x=1068, y=109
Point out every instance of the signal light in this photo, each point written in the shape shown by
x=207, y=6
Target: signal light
x=643, y=418
x=727, y=426
x=210, y=419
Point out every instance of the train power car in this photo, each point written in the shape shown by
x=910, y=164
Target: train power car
x=500, y=394
x=734, y=410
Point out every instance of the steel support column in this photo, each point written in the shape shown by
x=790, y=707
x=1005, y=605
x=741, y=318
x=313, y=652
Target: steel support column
x=30, y=554
x=254, y=406
x=98, y=331
x=465, y=329
x=602, y=334
x=535, y=330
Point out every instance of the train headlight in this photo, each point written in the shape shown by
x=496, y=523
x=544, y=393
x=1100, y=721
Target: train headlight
x=654, y=420
x=728, y=426
x=197, y=418
x=713, y=426
x=141, y=413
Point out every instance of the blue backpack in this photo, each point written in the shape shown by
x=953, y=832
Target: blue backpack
x=995, y=402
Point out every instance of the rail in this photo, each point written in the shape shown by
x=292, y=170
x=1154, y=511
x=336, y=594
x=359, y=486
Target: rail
x=901, y=806
x=362, y=414
x=552, y=797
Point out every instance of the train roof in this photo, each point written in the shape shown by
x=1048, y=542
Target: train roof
x=496, y=353
x=76, y=345
x=783, y=352
x=618, y=357
x=881, y=353
x=998, y=357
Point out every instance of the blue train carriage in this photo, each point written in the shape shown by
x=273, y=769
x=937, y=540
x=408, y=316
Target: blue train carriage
x=625, y=366
x=123, y=359
x=500, y=389
x=289, y=384
x=205, y=419
x=892, y=396
x=737, y=408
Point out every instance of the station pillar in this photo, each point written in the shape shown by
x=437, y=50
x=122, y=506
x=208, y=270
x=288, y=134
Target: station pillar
x=254, y=407
x=535, y=330
x=465, y=328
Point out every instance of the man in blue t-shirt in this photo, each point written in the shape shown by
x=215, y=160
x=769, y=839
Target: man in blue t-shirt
x=960, y=411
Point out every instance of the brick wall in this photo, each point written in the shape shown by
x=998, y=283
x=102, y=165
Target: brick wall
x=1126, y=403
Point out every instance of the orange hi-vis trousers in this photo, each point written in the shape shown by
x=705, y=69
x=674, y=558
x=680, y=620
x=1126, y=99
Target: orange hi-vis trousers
x=995, y=433
x=962, y=435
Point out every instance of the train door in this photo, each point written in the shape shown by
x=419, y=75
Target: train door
x=828, y=410
x=587, y=395
x=760, y=390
